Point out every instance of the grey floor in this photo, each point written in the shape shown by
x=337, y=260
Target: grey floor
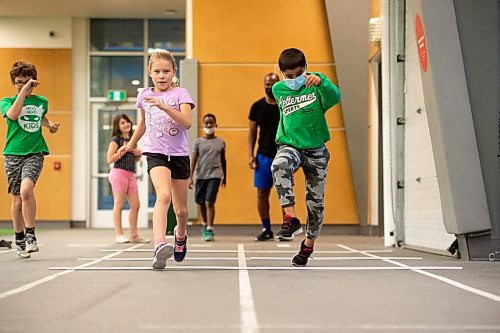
x=81, y=282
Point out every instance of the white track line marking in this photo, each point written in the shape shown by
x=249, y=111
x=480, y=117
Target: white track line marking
x=335, y=258
x=150, y=259
x=256, y=258
x=247, y=308
x=88, y=245
x=329, y=328
x=246, y=251
x=259, y=268
x=420, y=270
x=54, y=276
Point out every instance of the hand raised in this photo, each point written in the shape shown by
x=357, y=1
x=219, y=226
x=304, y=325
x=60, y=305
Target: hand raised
x=54, y=127
x=312, y=80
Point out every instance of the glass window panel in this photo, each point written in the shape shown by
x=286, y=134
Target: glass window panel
x=116, y=72
x=116, y=35
x=167, y=34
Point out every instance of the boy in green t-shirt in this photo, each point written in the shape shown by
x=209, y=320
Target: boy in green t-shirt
x=303, y=98
x=24, y=151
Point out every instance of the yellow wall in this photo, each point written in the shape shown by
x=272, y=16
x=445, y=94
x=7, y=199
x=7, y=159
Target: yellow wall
x=236, y=45
x=53, y=190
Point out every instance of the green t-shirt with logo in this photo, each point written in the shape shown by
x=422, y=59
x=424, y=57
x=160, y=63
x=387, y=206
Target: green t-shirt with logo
x=24, y=135
x=302, y=113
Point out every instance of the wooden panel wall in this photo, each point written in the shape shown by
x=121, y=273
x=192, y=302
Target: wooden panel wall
x=53, y=190
x=236, y=45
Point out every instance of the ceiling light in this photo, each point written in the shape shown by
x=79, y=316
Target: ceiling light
x=170, y=12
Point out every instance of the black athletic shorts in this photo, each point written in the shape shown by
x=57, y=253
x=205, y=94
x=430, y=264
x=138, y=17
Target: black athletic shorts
x=206, y=190
x=178, y=165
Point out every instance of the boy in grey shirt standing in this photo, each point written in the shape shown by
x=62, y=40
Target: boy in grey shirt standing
x=209, y=160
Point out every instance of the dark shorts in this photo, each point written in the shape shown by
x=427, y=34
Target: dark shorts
x=263, y=177
x=178, y=165
x=206, y=190
x=18, y=168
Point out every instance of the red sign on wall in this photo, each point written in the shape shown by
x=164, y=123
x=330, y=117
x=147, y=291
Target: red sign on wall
x=421, y=43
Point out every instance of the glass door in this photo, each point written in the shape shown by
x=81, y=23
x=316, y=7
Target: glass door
x=101, y=194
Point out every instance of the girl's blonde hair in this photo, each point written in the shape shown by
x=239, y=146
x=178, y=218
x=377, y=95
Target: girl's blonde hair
x=162, y=54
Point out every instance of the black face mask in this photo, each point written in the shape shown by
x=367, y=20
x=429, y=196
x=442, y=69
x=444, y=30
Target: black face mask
x=269, y=93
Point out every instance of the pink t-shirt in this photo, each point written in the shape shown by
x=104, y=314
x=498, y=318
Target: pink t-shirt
x=163, y=135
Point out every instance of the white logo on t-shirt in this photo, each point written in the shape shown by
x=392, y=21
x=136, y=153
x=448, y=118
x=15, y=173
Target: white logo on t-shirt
x=30, y=118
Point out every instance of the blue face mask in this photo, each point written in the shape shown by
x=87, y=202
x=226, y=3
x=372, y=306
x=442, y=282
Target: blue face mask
x=296, y=83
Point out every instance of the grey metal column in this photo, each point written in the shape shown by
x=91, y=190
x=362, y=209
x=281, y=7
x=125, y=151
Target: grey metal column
x=458, y=167
x=397, y=79
x=189, y=81
x=348, y=23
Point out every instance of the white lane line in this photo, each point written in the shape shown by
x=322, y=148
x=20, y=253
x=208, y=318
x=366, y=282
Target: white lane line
x=422, y=271
x=180, y=267
x=256, y=258
x=88, y=245
x=336, y=258
x=246, y=251
x=55, y=276
x=283, y=245
x=248, y=316
x=170, y=259
x=329, y=328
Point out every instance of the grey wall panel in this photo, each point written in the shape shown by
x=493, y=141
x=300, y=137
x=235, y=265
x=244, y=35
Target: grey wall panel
x=348, y=23
x=479, y=32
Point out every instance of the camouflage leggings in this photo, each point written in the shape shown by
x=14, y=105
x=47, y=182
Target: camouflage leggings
x=314, y=163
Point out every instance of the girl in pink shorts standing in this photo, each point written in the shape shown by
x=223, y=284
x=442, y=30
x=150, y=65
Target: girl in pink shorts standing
x=122, y=179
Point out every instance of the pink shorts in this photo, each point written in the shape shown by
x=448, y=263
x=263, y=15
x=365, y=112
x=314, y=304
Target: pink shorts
x=122, y=181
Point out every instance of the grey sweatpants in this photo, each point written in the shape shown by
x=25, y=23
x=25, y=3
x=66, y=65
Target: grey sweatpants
x=314, y=163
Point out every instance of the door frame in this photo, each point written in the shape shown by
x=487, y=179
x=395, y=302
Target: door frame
x=98, y=215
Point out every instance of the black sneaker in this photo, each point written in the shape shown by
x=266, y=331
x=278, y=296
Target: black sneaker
x=290, y=227
x=21, y=249
x=31, y=245
x=180, y=247
x=4, y=243
x=162, y=253
x=301, y=258
x=265, y=235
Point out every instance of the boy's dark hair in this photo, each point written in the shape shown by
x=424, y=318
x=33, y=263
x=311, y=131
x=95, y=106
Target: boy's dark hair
x=210, y=115
x=22, y=68
x=291, y=59
x=116, y=124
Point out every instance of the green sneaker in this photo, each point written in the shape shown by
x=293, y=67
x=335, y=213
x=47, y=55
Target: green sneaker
x=207, y=235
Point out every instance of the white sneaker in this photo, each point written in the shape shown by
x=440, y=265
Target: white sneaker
x=139, y=240
x=162, y=253
x=31, y=244
x=21, y=250
x=121, y=239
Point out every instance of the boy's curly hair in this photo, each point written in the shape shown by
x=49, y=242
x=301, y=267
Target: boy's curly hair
x=22, y=68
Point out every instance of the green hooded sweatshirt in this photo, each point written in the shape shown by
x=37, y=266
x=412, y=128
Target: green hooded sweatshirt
x=302, y=113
